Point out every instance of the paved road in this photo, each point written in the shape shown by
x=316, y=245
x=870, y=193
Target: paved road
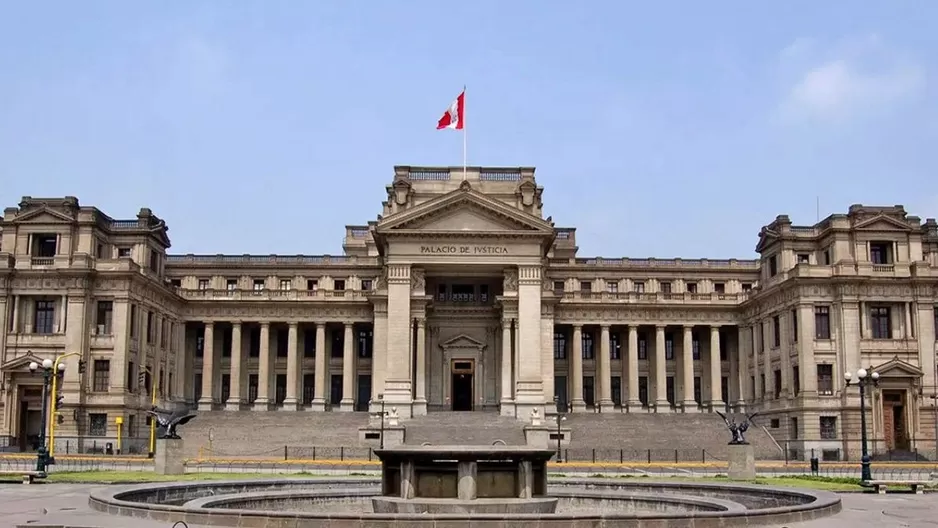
x=55, y=503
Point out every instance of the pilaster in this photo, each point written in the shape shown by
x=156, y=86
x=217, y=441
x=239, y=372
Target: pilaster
x=398, y=381
x=529, y=393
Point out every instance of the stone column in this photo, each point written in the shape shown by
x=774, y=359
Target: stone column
x=716, y=396
x=687, y=353
x=379, y=350
x=529, y=389
x=262, y=403
x=397, y=392
x=320, y=372
x=633, y=403
x=743, y=351
x=234, y=394
x=605, y=371
x=290, y=402
x=420, y=383
x=507, y=393
x=662, y=405
x=208, y=367
x=576, y=372
x=348, y=369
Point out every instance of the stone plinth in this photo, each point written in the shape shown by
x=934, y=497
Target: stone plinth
x=742, y=462
x=545, y=436
x=169, y=459
x=370, y=435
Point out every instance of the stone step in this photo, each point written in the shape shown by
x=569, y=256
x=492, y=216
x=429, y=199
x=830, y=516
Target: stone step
x=463, y=428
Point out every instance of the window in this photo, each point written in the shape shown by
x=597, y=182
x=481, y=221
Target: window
x=612, y=287
x=617, y=391
x=366, y=284
x=44, y=318
x=665, y=287
x=803, y=258
x=776, y=331
x=669, y=389
x=691, y=287
x=615, y=346
x=258, y=284
x=338, y=285
x=203, y=284
x=586, y=286
x=794, y=326
x=639, y=287
x=796, y=380
x=936, y=322
x=312, y=284
x=44, y=245
x=825, y=380
x=669, y=347
x=589, y=391
x=695, y=347
x=765, y=389
x=719, y=288
x=793, y=428
x=880, y=321
x=558, y=286
x=283, y=342
x=150, y=326
x=828, y=427
x=881, y=252
x=773, y=266
x=133, y=320
x=642, y=348
x=309, y=343
x=725, y=389
x=697, y=389
x=226, y=342
x=588, y=346
x=560, y=345
x=286, y=284
x=822, y=322
x=154, y=261
x=747, y=287
x=774, y=423
x=777, y=375
x=338, y=342
x=97, y=424
x=123, y=252
x=643, y=390
x=177, y=283
x=101, y=380
x=365, y=344
x=231, y=284
x=484, y=293
x=827, y=257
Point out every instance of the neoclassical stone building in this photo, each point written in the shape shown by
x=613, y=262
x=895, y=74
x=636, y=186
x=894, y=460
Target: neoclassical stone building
x=462, y=296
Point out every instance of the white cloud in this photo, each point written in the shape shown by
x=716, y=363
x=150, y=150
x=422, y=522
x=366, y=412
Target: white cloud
x=851, y=79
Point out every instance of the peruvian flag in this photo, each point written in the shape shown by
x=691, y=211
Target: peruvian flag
x=455, y=115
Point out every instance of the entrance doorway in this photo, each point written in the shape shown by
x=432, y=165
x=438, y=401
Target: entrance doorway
x=463, y=372
x=894, y=426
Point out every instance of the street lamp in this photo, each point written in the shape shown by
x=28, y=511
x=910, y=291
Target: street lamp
x=48, y=373
x=864, y=380
x=381, y=439
x=561, y=417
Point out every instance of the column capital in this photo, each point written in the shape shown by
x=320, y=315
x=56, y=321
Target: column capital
x=265, y=324
x=349, y=324
x=209, y=324
x=236, y=322
x=688, y=329
x=660, y=327
x=293, y=324
x=604, y=327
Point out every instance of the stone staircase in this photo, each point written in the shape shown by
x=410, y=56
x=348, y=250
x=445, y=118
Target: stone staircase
x=463, y=428
x=247, y=434
x=658, y=438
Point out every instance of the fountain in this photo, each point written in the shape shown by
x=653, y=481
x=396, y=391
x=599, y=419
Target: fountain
x=474, y=486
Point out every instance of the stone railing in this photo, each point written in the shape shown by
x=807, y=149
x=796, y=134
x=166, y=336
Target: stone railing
x=645, y=263
x=665, y=298
x=273, y=295
x=269, y=260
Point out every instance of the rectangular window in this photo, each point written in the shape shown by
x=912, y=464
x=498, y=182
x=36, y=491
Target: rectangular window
x=747, y=287
x=691, y=287
x=777, y=375
x=586, y=286
x=560, y=345
x=615, y=346
x=102, y=375
x=203, y=284
x=665, y=287
x=725, y=389
x=825, y=380
x=793, y=428
x=719, y=288
x=366, y=284
x=881, y=252
x=794, y=326
x=880, y=322
x=695, y=347
x=283, y=342
x=365, y=344
x=617, y=391
x=97, y=424
x=796, y=379
x=828, y=427
x=588, y=352
x=104, y=318
x=773, y=266
x=697, y=389
x=312, y=284
x=558, y=286
x=643, y=390
x=258, y=284
x=642, y=348
x=149, y=326
x=612, y=287
x=822, y=322
x=338, y=285
x=286, y=284
x=44, y=318
x=44, y=245
x=669, y=347
x=309, y=343
x=639, y=287
x=589, y=391
x=803, y=258
x=123, y=252
x=669, y=389
x=776, y=331
x=231, y=284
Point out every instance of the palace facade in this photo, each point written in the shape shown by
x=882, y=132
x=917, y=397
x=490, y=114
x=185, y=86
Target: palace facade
x=462, y=296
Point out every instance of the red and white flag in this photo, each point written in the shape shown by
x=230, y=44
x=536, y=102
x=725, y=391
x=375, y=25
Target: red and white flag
x=455, y=115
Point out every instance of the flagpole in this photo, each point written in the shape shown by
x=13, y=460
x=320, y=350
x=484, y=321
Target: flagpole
x=464, y=132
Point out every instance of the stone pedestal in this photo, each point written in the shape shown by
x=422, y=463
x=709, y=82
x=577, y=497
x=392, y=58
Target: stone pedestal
x=169, y=459
x=742, y=462
x=370, y=435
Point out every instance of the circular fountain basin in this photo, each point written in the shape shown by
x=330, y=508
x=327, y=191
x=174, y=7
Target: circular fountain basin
x=346, y=503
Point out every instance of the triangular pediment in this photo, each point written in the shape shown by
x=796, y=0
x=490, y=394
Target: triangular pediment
x=462, y=341
x=766, y=238
x=464, y=210
x=43, y=215
x=896, y=368
x=882, y=223
x=20, y=362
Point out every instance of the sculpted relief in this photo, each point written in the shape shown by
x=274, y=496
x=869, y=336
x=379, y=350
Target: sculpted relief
x=511, y=280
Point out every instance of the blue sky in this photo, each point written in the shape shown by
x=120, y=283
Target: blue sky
x=657, y=128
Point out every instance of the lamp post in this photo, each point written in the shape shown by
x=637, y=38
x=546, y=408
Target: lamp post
x=48, y=374
x=381, y=439
x=561, y=417
x=864, y=380
x=59, y=367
